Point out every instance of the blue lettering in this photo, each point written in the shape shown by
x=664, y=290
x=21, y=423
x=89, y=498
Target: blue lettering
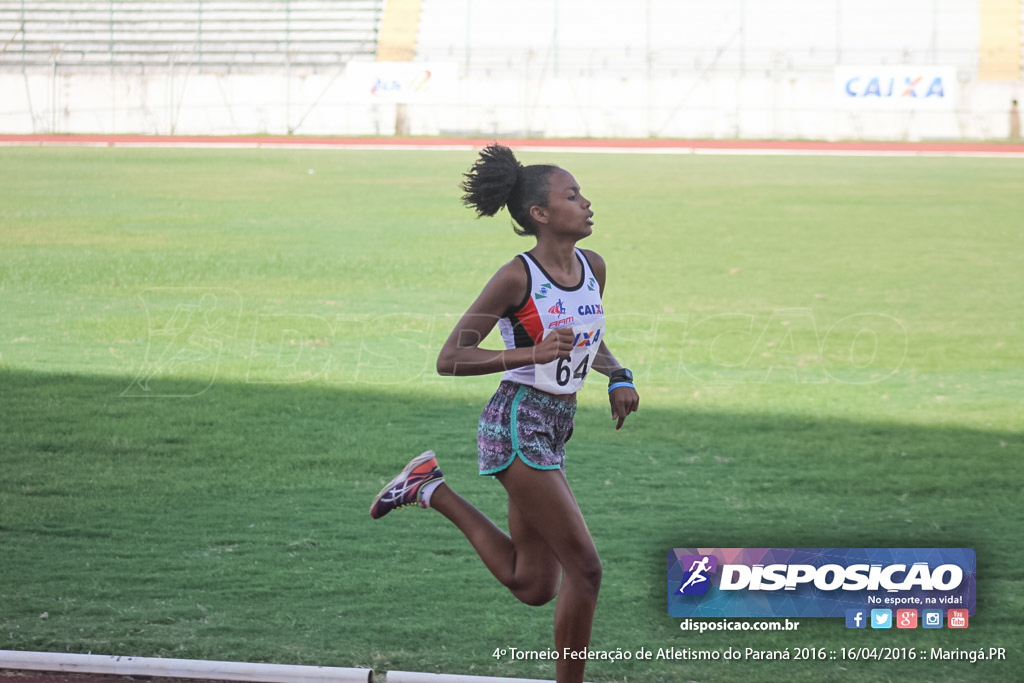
x=936, y=88
x=586, y=338
x=382, y=86
x=887, y=87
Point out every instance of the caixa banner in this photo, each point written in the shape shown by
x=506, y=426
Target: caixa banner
x=817, y=582
x=902, y=87
x=404, y=82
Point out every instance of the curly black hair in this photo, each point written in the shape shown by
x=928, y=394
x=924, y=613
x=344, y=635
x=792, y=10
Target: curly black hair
x=497, y=180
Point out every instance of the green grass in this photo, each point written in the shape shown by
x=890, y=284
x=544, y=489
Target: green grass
x=829, y=352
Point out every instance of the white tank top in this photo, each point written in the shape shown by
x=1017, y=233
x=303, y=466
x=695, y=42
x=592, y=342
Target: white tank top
x=548, y=306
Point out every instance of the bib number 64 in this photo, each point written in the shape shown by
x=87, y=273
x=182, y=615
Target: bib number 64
x=565, y=374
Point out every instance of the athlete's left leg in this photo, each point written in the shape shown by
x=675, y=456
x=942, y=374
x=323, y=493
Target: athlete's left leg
x=548, y=510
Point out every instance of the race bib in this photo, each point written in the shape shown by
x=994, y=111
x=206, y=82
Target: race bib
x=566, y=375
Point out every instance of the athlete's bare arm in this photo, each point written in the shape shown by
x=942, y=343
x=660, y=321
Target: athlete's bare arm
x=461, y=354
x=624, y=400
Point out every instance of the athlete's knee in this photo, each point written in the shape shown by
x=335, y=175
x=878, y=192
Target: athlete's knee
x=588, y=573
x=594, y=574
x=537, y=595
x=536, y=592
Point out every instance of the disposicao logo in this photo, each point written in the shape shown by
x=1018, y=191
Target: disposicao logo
x=818, y=582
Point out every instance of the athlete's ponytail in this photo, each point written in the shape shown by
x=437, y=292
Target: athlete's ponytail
x=497, y=180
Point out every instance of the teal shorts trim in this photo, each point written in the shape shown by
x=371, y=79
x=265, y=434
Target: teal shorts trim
x=522, y=422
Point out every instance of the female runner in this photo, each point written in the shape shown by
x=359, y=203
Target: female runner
x=547, y=305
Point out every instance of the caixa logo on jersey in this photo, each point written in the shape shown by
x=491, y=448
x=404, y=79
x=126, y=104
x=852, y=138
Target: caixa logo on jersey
x=816, y=582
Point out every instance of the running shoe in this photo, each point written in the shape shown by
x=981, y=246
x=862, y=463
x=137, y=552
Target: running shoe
x=405, y=488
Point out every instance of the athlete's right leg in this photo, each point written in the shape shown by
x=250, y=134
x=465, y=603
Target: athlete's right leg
x=523, y=562
x=526, y=565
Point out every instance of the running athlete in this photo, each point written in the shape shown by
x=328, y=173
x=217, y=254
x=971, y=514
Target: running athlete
x=547, y=305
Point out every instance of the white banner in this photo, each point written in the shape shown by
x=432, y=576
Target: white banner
x=905, y=87
x=403, y=82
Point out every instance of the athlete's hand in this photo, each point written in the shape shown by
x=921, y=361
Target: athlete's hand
x=558, y=344
x=624, y=401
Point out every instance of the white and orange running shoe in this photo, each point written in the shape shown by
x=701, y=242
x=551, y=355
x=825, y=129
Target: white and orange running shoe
x=405, y=489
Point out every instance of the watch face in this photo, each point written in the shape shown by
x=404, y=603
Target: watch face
x=623, y=374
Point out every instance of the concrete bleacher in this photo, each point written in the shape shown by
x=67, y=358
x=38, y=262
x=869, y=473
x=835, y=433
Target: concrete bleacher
x=215, y=34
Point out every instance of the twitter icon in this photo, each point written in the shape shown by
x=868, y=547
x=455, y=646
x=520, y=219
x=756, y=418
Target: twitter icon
x=881, y=618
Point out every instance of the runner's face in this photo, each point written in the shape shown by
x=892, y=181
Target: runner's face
x=568, y=210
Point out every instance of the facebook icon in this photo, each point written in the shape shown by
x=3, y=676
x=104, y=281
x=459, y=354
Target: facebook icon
x=856, y=618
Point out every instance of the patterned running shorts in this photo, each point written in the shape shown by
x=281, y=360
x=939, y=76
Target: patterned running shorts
x=522, y=421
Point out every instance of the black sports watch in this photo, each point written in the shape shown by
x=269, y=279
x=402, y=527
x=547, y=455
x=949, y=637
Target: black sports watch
x=620, y=375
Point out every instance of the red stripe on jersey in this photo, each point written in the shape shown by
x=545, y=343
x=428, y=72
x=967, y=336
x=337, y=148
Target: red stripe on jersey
x=527, y=328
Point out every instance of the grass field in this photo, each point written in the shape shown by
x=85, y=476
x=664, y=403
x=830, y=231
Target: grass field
x=211, y=360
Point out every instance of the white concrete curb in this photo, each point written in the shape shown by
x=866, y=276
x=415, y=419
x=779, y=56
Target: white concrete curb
x=413, y=677
x=180, y=668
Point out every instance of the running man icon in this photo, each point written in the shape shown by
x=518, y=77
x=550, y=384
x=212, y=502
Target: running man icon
x=697, y=580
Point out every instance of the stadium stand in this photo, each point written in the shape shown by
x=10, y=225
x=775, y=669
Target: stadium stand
x=217, y=35
x=591, y=68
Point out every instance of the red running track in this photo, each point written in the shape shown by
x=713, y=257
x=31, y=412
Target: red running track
x=643, y=145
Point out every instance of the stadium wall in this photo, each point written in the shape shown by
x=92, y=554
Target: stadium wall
x=795, y=69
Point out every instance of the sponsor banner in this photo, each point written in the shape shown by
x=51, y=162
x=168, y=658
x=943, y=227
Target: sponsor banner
x=403, y=82
x=904, y=87
x=817, y=582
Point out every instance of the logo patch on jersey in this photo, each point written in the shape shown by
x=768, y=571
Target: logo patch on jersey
x=542, y=293
x=557, y=309
x=592, y=284
x=590, y=309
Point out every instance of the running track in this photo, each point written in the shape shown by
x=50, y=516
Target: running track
x=639, y=145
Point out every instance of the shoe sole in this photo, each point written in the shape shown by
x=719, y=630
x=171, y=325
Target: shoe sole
x=404, y=474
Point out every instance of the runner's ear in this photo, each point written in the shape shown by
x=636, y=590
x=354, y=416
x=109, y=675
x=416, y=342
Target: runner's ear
x=539, y=214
